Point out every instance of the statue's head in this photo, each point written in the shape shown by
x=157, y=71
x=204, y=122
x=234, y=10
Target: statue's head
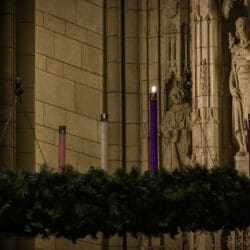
x=242, y=28
x=176, y=95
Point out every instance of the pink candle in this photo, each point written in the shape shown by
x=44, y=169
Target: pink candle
x=62, y=141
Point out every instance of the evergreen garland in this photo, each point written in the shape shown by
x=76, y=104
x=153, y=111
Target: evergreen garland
x=72, y=205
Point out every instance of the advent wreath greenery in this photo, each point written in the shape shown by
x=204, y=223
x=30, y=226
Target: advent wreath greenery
x=72, y=205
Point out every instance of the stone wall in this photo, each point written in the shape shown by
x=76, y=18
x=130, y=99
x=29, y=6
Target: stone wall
x=123, y=105
x=7, y=75
x=68, y=79
x=25, y=63
x=68, y=89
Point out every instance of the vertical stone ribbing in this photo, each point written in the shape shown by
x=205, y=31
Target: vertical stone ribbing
x=114, y=102
x=144, y=81
x=132, y=83
x=7, y=76
x=206, y=72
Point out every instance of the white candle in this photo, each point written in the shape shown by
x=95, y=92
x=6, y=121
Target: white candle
x=104, y=141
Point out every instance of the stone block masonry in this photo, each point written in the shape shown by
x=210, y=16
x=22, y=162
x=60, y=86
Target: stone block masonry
x=68, y=79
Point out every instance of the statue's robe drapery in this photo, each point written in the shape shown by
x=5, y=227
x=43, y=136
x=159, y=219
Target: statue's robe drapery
x=176, y=132
x=239, y=79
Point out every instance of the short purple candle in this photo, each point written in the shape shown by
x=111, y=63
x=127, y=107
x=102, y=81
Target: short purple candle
x=153, y=130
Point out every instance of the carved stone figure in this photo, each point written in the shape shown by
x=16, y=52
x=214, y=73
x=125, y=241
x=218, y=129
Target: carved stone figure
x=176, y=131
x=239, y=80
x=226, y=7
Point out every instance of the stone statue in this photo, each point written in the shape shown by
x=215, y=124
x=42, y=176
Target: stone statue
x=239, y=84
x=176, y=131
x=226, y=7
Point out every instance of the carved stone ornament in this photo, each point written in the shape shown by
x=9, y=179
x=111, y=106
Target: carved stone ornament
x=210, y=115
x=226, y=7
x=204, y=77
x=196, y=117
x=171, y=7
x=172, y=69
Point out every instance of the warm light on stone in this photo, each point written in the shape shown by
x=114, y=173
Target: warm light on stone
x=153, y=89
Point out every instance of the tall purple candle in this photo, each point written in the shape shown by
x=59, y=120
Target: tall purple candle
x=153, y=131
x=248, y=140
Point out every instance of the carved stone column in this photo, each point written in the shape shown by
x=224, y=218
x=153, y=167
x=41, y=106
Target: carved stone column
x=206, y=47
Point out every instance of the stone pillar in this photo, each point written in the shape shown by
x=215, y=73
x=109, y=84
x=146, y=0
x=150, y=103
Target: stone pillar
x=7, y=76
x=123, y=91
x=113, y=83
x=206, y=92
x=132, y=86
x=206, y=62
x=144, y=82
